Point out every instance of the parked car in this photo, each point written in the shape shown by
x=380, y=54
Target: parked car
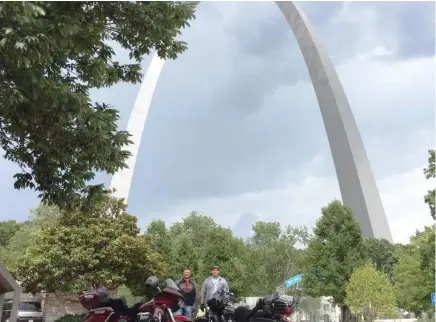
x=28, y=311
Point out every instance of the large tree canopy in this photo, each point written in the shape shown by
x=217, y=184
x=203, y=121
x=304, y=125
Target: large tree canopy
x=335, y=251
x=272, y=255
x=253, y=267
x=369, y=293
x=383, y=255
x=410, y=283
x=82, y=250
x=7, y=230
x=53, y=53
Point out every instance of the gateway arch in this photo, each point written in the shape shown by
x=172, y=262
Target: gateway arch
x=356, y=180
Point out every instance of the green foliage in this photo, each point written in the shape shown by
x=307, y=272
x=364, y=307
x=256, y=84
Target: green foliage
x=430, y=173
x=160, y=238
x=265, y=233
x=415, y=272
x=335, y=251
x=53, y=53
x=7, y=230
x=24, y=237
x=383, y=255
x=252, y=267
x=71, y=318
x=273, y=256
x=84, y=250
x=409, y=283
x=369, y=293
x=131, y=299
x=199, y=243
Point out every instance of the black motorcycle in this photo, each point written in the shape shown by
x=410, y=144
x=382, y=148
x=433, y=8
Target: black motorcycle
x=220, y=308
x=270, y=308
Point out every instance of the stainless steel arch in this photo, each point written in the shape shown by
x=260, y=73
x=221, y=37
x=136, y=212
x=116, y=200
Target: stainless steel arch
x=356, y=181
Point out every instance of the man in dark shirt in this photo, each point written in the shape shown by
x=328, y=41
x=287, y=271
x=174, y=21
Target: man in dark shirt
x=188, y=287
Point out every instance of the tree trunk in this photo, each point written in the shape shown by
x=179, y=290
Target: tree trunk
x=344, y=313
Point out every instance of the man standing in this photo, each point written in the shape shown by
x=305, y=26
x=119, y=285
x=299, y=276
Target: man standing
x=213, y=285
x=188, y=287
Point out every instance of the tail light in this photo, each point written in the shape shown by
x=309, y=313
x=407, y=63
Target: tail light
x=289, y=310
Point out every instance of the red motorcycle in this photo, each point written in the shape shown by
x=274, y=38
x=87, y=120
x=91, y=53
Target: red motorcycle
x=103, y=308
x=161, y=307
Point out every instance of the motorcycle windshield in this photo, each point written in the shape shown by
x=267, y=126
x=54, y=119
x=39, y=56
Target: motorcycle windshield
x=171, y=284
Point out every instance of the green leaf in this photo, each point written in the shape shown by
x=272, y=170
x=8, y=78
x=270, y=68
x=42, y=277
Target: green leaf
x=56, y=53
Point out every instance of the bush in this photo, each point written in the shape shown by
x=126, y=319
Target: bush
x=71, y=318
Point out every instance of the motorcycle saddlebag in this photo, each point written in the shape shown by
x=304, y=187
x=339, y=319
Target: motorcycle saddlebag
x=283, y=307
x=95, y=299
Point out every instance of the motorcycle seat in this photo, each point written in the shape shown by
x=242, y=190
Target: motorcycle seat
x=119, y=304
x=268, y=299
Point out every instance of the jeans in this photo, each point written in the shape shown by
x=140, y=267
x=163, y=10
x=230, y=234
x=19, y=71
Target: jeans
x=186, y=311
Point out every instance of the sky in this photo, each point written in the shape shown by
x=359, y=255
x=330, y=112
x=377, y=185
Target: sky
x=235, y=132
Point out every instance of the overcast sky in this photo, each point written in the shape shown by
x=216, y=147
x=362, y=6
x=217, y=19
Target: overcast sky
x=235, y=131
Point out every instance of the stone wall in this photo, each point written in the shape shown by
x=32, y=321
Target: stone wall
x=56, y=305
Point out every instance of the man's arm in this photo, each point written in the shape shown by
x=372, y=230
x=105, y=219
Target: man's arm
x=195, y=295
x=225, y=286
x=203, y=291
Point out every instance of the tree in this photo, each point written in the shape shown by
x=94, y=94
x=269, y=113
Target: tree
x=423, y=243
x=223, y=249
x=370, y=293
x=383, y=255
x=160, y=239
x=81, y=251
x=430, y=173
x=24, y=237
x=189, y=239
x=415, y=271
x=410, y=282
x=424, y=249
x=7, y=230
x=336, y=249
x=196, y=242
x=265, y=232
x=53, y=54
x=272, y=255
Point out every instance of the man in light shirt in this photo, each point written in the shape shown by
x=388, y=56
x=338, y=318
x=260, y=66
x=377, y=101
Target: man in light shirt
x=213, y=285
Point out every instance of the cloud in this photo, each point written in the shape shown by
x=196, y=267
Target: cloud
x=409, y=25
x=235, y=117
x=300, y=203
x=208, y=153
x=249, y=144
